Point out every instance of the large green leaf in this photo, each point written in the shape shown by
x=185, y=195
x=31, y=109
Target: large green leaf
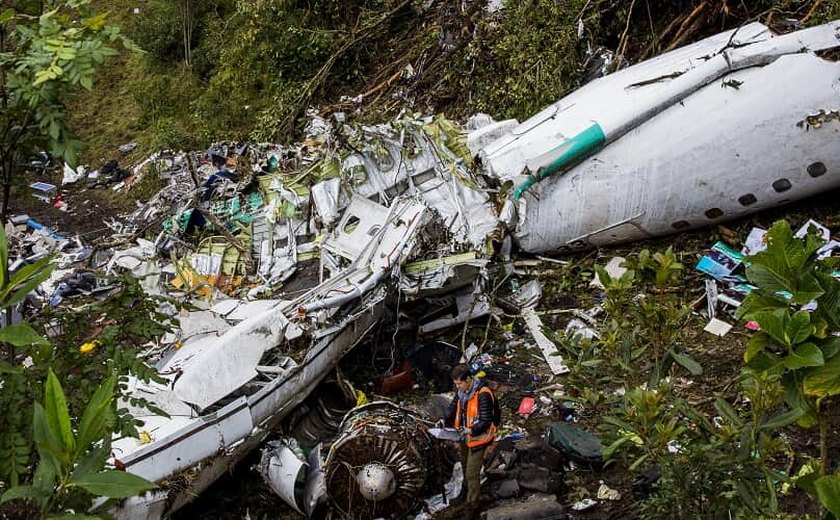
x=799, y=327
x=113, y=484
x=823, y=381
x=829, y=302
x=58, y=416
x=758, y=342
x=781, y=420
x=828, y=491
x=687, y=363
x=821, y=328
x=18, y=492
x=725, y=410
x=774, y=323
x=763, y=361
x=830, y=347
x=92, y=427
x=792, y=384
x=6, y=368
x=757, y=301
x=92, y=462
x=805, y=480
x=603, y=276
x=786, y=265
x=610, y=450
x=802, y=286
x=805, y=355
x=20, y=286
x=49, y=447
x=21, y=335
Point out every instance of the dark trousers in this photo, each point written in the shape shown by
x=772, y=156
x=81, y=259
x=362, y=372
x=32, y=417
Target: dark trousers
x=471, y=462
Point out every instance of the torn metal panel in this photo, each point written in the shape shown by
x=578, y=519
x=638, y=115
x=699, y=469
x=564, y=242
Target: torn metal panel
x=526, y=299
x=219, y=430
x=361, y=221
x=326, y=196
x=300, y=483
x=272, y=402
x=282, y=468
x=441, y=275
x=239, y=310
x=200, y=323
x=411, y=162
x=315, y=492
x=229, y=361
x=549, y=349
x=391, y=241
x=143, y=507
x=469, y=305
x=488, y=133
x=184, y=447
x=158, y=394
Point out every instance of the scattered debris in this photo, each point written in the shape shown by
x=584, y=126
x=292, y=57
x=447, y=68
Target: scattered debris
x=607, y=493
x=583, y=505
x=614, y=268
x=44, y=191
x=717, y=327
x=290, y=255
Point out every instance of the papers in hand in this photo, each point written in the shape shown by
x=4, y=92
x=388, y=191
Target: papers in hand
x=447, y=434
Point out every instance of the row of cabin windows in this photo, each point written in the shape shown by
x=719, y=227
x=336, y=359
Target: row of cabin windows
x=815, y=170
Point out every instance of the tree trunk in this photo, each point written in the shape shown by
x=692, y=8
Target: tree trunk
x=6, y=174
x=186, y=30
x=823, y=421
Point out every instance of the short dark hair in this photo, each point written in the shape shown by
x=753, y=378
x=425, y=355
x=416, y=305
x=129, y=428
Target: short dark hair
x=461, y=373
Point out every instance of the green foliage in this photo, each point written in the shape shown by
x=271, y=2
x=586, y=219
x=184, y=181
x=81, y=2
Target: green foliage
x=158, y=31
x=828, y=491
x=47, y=55
x=127, y=320
x=17, y=339
x=708, y=470
x=643, y=328
x=70, y=470
x=526, y=58
x=795, y=342
x=70, y=433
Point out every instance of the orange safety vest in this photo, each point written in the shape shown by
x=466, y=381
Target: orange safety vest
x=475, y=441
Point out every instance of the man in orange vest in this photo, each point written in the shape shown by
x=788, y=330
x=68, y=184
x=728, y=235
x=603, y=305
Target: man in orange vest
x=471, y=412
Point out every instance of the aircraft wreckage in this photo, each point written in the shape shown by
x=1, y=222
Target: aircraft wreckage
x=734, y=124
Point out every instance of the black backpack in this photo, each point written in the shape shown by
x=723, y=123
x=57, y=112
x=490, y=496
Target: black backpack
x=497, y=411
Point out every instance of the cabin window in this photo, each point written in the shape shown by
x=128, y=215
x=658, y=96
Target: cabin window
x=816, y=169
x=782, y=185
x=423, y=176
x=714, y=213
x=747, y=200
x=680, y=224
x=352, y=224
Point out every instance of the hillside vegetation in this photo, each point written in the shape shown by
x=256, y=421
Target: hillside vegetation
x=248, y=70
